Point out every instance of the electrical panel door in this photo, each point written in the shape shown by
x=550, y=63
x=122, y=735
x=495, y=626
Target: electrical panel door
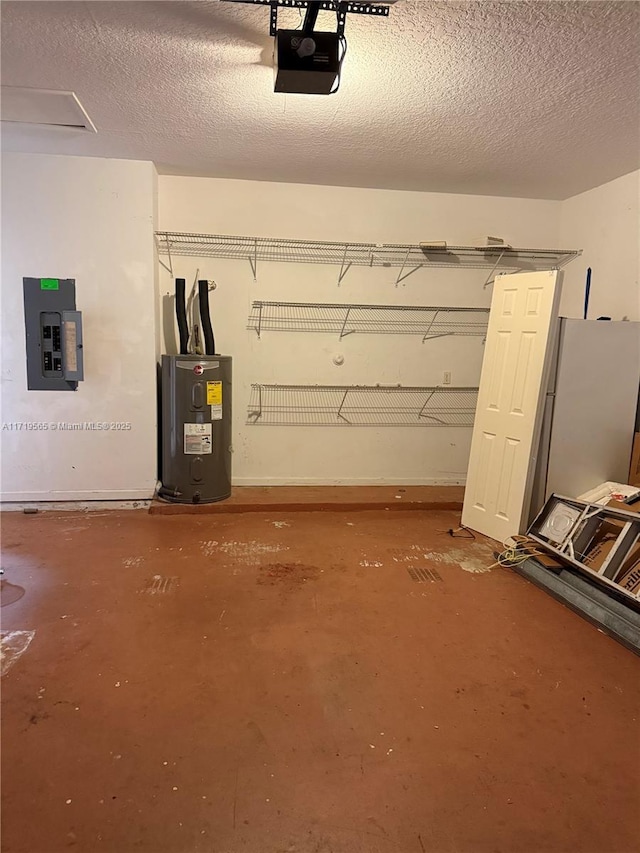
x=53, y=334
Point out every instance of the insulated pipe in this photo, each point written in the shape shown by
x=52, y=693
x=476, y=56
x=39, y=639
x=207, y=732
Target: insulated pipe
x=205, y=318
x=181, y=314
x=168, y=492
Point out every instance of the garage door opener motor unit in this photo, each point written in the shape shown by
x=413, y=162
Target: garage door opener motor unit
x=196, y=414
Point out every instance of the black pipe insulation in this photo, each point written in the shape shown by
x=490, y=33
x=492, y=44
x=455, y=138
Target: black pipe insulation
x=181, y=314
x=168, y=492
x=205, y=318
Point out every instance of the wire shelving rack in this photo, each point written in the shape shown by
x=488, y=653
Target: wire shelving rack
x=406, y=257
x=346, y=319
x=361, y=405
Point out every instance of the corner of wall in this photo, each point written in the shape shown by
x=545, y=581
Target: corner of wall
x=604, y=222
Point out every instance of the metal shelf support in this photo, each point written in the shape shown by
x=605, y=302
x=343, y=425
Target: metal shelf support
x=344, y=266
x=342, y=402
x=489, y=279
x=255, y=412
x=426, y=334
x=253, y=261
x=430, y=417
x=401, y=275
x=343, y=334
x=169, y=268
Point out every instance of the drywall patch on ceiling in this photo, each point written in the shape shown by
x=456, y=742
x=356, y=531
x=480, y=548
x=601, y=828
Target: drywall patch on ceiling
x=44, y=108
x=530, y=99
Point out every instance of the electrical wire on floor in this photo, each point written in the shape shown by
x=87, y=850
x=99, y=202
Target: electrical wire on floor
x=461, y=533
x=517, y=549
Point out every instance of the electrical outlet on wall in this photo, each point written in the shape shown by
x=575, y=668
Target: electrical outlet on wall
x=446, y=379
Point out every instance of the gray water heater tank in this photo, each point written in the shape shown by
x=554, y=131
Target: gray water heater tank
x=196, y=428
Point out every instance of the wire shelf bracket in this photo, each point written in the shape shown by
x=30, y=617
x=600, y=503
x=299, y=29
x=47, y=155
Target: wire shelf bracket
x=342, y=402
x=421, y=413
x=431, y=337
x=490, y=278
x=253, y=261
x=344, y=266
x=343, y=332
x=402, y=276
x=169, y=268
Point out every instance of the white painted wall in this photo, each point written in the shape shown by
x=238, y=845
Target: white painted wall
x=605, y=223
x=272, y=455
x=92, y=220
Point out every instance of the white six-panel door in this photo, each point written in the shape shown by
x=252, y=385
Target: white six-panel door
x=515, y=374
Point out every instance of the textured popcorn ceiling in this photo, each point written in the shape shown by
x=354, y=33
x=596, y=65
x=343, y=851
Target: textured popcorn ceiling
x=534, y=99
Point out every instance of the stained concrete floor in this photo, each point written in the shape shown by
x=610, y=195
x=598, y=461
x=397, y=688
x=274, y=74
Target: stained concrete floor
x=279, y=684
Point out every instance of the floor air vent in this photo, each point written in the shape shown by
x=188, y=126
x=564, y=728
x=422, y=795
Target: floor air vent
x=420, y=575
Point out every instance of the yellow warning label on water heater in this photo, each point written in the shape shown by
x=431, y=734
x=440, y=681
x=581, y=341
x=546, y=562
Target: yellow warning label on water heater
x=214, y=393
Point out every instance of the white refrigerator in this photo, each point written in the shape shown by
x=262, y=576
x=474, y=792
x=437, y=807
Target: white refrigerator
x=590, y=409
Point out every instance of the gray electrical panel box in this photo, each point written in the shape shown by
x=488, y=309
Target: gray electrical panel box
x=53, y=334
